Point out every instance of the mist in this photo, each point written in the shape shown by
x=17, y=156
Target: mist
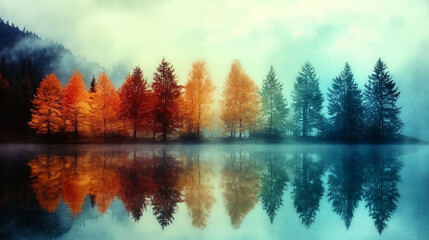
x=121, y=34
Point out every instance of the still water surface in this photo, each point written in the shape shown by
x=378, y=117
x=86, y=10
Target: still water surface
x=214, y=192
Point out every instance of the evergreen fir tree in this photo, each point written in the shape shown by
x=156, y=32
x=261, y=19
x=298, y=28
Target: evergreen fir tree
x=167, y=94
x=345, y=106
x=92, y=85
x=274, y=109
x=307, y=101
x=382, y=113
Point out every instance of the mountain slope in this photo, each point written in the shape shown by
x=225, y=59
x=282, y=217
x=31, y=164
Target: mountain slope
x=20, y=48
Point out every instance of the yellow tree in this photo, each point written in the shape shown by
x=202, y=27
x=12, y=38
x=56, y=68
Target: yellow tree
x=76, y=109
x=197, y=99
x=46, y=115
x=105, y=105
x=240, y=105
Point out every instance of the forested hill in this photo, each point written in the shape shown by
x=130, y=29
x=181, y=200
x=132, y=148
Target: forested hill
x=25, y=59
x=24, y=53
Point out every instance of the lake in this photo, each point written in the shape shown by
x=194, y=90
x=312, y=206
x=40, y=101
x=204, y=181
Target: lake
x=214, y=191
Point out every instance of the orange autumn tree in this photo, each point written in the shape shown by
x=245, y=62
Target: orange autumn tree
x=46, y=115
x=135, y=102
x=197, y=99
x=240, y=105
x=76, y=109
x=104, y=106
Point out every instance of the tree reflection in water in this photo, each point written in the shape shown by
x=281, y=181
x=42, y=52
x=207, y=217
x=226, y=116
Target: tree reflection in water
x=345, y=184
x=240, y=183
x=307, y=186
x=381, y=186
x=166, y=174
x=198, y=188
x=273, y=182
x=159, y=179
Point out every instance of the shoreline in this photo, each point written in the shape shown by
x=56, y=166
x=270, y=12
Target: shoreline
x=60, y=140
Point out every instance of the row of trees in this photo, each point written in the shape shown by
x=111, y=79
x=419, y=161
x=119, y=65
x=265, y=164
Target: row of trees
x=157, y=108
x=352, y=115
x=160, y=181
x=164, y=107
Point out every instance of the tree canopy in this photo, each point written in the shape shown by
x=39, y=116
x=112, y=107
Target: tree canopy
x=307, y=101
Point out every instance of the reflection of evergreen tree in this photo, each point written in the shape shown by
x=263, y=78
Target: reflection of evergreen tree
x=135, y=187
x=345, y=185
x=273, y=183
x=381, y=192
x=240, y=181
x=198, y=190
x=167, y=193
x=307, y=188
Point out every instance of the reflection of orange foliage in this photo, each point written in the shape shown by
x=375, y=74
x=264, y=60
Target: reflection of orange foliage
x=104, y=182
x=105, y=198
x=146, y=178
x=46, y=174
x=76, y=181
x=74, y=196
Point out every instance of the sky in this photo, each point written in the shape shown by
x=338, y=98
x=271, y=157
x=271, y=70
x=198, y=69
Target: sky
x=259, y=33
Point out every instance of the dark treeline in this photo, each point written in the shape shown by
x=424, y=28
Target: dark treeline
x=59, y=185
x=163, y=108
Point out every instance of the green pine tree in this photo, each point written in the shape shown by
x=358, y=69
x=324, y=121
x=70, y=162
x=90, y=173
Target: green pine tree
x=345, y=106
x=92, y=86
x=307, y=102
x=274, y=108
x=382, y=113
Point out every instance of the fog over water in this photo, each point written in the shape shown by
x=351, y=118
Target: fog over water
x=259, y=33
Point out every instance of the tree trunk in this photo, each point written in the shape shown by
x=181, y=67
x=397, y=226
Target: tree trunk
x=49, y=128
x=75, y=124
x=240, y=129
x=304, y=121
x=164, y=134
